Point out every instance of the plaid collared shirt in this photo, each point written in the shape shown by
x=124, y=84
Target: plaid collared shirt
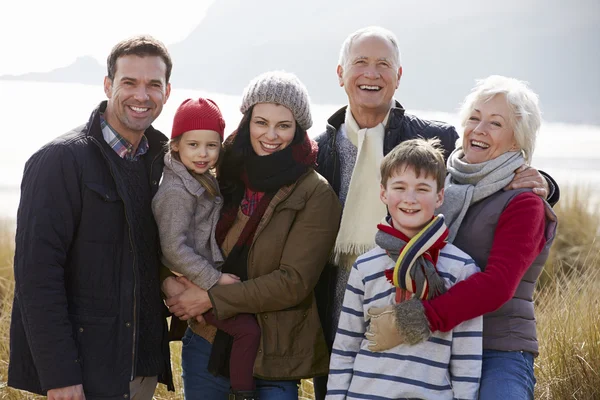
x=250, y=201
x=120, y=145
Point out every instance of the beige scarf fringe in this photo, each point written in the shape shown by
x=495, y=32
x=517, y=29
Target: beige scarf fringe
x=363, y=209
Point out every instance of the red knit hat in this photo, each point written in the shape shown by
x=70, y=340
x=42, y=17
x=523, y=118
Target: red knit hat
x=198, y=114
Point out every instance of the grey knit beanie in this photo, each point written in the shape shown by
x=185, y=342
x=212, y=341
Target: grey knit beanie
x=281, y=88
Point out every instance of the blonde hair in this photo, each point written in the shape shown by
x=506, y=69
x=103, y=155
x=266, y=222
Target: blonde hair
x=525, y=116
x=420, y=154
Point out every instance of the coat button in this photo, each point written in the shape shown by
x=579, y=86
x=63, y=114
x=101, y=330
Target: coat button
x=80, y=329
x=125, y=396
x=266, y=317
x=154, y=183
x=128, y=324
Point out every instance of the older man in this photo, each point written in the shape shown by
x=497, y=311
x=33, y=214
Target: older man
x=88, y=319
x=357, y=138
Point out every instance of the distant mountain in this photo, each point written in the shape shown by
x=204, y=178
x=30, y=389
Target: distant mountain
x=555, y=45
x=83, y=70
x=445, y=47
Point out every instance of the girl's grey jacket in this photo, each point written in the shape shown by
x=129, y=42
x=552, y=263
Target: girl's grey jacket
x=187, y=215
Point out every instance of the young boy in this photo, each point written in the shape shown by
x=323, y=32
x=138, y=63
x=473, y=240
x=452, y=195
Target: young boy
x=412, y=258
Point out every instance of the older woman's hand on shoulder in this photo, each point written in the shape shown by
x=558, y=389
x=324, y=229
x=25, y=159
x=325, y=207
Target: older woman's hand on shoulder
x=527, y=177
x=396, y=324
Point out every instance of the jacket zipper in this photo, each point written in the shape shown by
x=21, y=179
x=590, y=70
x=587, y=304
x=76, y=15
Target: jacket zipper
x=135, y=282
x=134, y=322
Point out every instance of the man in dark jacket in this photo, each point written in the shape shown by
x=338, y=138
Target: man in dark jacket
x=88, y=320
x=356, y=139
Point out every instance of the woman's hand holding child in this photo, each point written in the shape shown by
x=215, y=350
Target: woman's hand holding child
x=171, y=287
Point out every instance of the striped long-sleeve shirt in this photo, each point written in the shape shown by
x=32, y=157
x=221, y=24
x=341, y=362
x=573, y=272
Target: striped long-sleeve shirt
x=447, y=366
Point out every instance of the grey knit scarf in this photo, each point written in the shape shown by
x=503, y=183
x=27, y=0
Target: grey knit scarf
x=469, y=183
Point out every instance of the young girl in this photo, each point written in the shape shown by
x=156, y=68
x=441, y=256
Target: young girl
x=187, y=207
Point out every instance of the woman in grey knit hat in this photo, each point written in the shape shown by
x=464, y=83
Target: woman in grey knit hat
x=278, y=225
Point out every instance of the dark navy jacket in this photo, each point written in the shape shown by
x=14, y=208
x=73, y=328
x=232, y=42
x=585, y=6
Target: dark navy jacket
x=400, y=127
x=76, y=306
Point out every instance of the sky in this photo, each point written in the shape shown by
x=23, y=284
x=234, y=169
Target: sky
x=40, y=35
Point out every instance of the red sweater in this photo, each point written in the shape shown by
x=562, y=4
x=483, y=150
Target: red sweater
x=518, y=240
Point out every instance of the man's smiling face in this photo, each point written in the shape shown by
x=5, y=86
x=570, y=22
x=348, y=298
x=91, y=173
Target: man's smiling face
x=137, y=93
x=371, y=74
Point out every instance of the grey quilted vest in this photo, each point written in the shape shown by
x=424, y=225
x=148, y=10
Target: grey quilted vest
x=512, y=327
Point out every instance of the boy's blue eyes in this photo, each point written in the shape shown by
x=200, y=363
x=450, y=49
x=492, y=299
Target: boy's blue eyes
x=403, y=188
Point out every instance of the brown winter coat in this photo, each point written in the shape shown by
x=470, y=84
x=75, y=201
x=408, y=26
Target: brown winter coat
x=290, y=248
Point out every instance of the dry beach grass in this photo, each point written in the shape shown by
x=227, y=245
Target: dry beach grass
x=567, y=309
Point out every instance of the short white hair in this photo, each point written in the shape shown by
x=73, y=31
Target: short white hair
x=525, y=117
x=369, y=31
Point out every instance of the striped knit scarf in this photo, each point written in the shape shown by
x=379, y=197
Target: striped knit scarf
x=415, y=271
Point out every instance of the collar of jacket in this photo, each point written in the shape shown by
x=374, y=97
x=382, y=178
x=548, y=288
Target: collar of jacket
x=337, y=119
x=156, y=140
x=281, y=195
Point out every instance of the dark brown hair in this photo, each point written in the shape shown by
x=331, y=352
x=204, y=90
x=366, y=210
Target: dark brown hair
x=236, y=148
x=142, y=46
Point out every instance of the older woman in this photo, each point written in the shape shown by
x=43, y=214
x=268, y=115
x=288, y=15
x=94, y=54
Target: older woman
x=507, y=233
x=279, y=223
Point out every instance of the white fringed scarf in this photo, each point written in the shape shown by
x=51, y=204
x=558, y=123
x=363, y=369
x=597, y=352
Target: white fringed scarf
x=363, y=209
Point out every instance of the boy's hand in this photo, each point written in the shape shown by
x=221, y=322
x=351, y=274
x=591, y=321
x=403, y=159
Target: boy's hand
x=171, y=287
x=529, y=177
x=228, y=279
